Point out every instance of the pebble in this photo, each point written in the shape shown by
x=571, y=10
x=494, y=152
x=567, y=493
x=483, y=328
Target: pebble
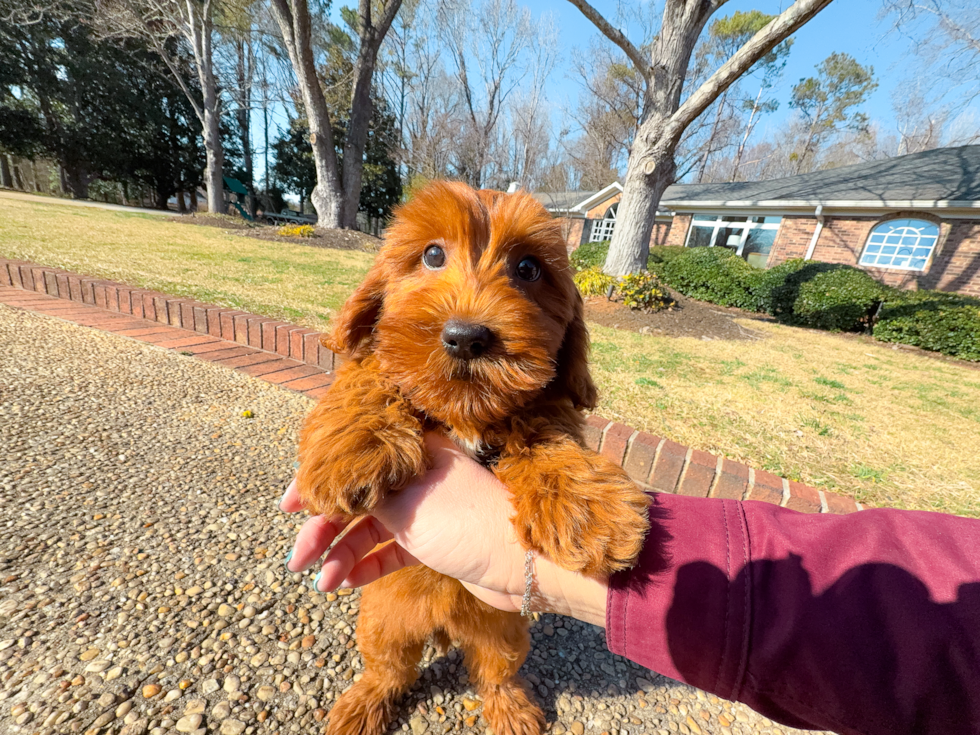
x=232, y=727
x=151, y=690
x=195, y=707
x=189, y=723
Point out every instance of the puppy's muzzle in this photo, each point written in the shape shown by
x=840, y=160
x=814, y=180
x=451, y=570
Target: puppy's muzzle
x=465, y=341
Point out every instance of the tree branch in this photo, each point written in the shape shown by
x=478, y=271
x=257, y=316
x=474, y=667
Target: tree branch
x=617, y=37
x=780, y=28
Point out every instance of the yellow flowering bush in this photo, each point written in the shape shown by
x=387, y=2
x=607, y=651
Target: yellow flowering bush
x=643, y=291
x=593, y=282
x=296, y=231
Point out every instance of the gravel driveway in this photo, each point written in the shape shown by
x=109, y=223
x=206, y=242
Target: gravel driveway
x=141, y=579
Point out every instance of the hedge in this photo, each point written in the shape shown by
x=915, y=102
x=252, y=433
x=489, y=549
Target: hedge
x=593, y=255
x=841, y=299
x=712, y=274
x=812, y=294
x=933, y=320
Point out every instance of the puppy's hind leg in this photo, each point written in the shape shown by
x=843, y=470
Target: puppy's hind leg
x=390, y=639
x=495, y=648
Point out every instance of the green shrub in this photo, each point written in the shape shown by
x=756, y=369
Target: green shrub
x=593, y=282
x=660, y=255
x=768, y=287
x=643, y=291
x=933, y=320
x=593, y=254
x=589, y=255
x=712, y=274
x=843, y=299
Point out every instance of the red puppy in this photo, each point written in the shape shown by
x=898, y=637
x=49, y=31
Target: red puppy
x=468, y=323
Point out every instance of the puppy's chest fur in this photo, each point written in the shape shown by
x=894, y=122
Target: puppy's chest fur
x=477, y=449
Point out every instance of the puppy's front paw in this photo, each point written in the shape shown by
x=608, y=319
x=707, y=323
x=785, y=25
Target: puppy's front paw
x=351, y=478
x=577, y=508
x=348, y=463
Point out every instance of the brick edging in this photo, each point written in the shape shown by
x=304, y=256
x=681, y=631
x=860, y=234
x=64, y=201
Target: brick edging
x=653, y=462
x=252, y=330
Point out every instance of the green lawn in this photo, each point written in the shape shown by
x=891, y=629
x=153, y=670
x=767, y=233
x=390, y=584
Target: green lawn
x=887, y=426
x=297, y=283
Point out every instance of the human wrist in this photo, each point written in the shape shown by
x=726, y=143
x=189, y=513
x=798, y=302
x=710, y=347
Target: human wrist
x=569, y=593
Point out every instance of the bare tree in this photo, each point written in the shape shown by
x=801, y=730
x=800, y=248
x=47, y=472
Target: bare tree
x=946, y=35
x=338, y=191
x=486, y=47
x=664, y=69
x=190, y=22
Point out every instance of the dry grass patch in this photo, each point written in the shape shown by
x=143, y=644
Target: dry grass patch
x=282, y=280
x=885, y=426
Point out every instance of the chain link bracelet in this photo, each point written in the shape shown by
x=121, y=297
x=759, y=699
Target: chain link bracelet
x=528, y=583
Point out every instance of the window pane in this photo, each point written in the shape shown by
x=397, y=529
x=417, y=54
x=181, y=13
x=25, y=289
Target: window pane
x=729, y=237
x=732, y=218
x=757, y=247
x=700, y=237
x=705, y=217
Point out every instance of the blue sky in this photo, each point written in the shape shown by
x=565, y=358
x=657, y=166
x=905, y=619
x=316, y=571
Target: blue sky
x=849, y=26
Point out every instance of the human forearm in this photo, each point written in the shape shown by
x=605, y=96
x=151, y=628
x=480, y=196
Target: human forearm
x=867, y=623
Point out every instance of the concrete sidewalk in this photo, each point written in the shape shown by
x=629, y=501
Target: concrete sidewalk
x=37, y=199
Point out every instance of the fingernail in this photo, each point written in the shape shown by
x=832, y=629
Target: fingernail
x=296, y=465
x=289, y=558
x=316, y=581
x=279, y=504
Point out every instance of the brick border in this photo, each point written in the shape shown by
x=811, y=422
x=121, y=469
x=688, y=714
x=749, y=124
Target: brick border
x=293, y=357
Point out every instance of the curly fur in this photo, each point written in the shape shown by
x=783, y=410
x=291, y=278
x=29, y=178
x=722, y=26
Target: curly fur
x=519, y=403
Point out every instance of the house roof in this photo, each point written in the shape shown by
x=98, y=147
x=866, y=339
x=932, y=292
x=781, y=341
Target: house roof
x=945, y=177
x=577, y=202
x=562, y=200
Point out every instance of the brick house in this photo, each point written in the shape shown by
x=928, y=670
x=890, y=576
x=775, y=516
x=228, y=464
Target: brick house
x=911, y=221
x=590, y=216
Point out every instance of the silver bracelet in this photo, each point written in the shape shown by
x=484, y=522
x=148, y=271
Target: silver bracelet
x=528, y=583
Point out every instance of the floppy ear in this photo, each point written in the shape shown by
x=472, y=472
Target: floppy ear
x=352, y=329
x=572, y=376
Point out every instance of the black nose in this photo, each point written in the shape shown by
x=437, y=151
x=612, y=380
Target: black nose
x=464, y=340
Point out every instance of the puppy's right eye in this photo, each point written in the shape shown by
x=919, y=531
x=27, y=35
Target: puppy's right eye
x=434, y=257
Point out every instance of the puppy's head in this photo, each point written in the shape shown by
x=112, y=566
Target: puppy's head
x=470, y=307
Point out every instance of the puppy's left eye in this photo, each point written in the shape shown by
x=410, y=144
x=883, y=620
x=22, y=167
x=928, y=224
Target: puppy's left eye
x=529, y=269
x=434, y=257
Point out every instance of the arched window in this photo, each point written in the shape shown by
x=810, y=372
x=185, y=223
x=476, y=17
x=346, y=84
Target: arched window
x=602, y=229
x=902, y=244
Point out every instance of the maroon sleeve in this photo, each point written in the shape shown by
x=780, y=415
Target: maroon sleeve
x=866, y=623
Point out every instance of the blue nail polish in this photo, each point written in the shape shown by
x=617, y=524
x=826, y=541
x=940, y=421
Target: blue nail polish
x=289, y=558
x=316, y=581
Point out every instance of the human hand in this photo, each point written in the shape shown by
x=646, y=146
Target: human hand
x=456, y=520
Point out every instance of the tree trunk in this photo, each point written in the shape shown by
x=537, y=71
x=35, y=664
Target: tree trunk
x=293, y=17
x=244, y=74
x=212, y=127
x=745, y=138
x=630, y=244
x=711, y=140
x=361, y=111
x=6, y=177
x=651, y=168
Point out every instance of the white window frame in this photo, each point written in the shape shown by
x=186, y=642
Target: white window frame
x=602, y=229
x=904, y=231
x=719, y=224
